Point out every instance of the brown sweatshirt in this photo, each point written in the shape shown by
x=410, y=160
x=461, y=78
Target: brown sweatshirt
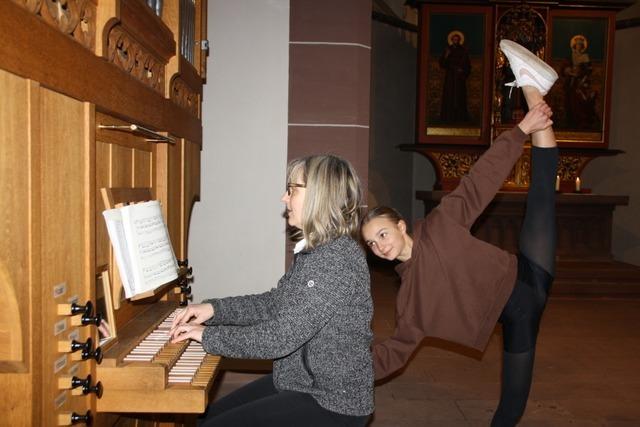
x=454, y=286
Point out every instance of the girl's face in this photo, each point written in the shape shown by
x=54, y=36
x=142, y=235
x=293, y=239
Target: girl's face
x=293, y=198
x=387, y=239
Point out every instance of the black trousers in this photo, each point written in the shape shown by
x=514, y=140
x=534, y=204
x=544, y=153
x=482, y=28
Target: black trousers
x=521, y=315
x=260, y=404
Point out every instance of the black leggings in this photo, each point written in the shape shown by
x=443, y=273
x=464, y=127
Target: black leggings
x=260, y=404
x=536, y=267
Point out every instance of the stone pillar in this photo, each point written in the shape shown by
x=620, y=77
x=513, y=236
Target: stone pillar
x=329, y=80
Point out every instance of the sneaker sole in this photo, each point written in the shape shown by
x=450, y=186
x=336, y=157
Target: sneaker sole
x=541, y=67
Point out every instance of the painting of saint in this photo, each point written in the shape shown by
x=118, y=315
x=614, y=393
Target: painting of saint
x=457, y=67
x=580, y=96
x=579, y=55
x=453, y=69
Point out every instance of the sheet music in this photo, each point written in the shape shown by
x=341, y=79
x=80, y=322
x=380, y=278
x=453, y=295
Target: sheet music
x=151, y=258
x=115, y=228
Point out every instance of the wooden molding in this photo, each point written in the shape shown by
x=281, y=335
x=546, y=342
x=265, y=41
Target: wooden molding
x=147, y=28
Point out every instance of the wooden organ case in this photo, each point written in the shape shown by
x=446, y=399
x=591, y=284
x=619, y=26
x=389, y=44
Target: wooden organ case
x=95, y=94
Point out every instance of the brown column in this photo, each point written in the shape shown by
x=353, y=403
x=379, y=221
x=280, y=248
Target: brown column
x=329, y=80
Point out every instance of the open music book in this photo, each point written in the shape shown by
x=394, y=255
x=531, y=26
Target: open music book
x=142, y=247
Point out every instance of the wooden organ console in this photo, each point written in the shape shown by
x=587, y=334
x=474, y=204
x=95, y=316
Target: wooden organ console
x=96, y=94
x=144, y=369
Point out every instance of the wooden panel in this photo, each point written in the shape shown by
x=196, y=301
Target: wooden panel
x=169, y=187
x=14, y=188
x=102, y=180
x=121, y=167
x=191, y=193
x=67, y=236
x=112, y=197
x=19, y=267
x=179, y=399
x=142, y=169
x=175, y=188
x=143, y=377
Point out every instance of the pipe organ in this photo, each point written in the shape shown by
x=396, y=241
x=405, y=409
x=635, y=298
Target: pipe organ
x=96, y=94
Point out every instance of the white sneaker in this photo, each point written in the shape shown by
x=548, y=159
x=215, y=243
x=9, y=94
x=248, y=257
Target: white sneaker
x=528, y=69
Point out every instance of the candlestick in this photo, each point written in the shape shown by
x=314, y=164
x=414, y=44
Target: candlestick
x=557, y=182
x=577, y=184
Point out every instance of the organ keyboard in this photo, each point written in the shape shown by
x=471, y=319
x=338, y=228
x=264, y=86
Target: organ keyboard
x=152, y=374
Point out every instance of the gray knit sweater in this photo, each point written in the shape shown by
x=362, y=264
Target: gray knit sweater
x=315, y=325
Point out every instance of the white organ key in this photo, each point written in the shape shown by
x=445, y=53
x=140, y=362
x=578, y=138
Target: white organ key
x=155, y=341
x=189, y=362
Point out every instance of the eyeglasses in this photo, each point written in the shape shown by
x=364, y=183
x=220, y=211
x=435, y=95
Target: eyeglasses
x=291, y=185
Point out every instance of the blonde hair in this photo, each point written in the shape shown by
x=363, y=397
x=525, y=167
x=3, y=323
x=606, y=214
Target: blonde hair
x=332, y=201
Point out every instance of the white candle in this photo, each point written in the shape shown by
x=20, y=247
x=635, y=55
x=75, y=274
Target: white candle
x=557, y=182
x=577, y=184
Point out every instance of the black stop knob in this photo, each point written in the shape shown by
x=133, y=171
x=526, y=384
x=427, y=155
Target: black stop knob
x=84, y=346
x=92, y=354
x=88, y=320
x=86, y=309
x=82, y=419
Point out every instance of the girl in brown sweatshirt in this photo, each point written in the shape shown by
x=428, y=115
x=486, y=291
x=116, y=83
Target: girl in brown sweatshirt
x=456, y=287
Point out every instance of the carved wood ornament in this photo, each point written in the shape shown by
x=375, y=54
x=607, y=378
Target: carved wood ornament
x=184, y=96
x=76, y=18
x=130, y=56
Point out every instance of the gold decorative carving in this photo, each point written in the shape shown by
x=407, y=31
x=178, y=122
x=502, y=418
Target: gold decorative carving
x=569, y=167
x=184, y=96
x=526, y=26
x=76, y=18
x=519, y=177
x=455, y=165
x=130, y=56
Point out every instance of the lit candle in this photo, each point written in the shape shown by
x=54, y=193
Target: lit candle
x=557, y=182
x=577, y=184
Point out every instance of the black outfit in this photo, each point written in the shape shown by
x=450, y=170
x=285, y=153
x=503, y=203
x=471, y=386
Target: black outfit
x=259, y=403
x=536, y=267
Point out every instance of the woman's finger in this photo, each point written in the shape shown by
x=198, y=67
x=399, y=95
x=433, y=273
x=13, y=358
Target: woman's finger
x=179, y=316
x=180, y=333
